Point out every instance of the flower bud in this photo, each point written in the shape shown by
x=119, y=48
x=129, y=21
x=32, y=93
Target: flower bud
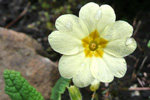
x=94, y=85
x=74, y=93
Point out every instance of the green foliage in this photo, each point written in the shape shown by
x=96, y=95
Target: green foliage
x=18, y=88
x=44, y=3
x=148, y=44
x=59, y=88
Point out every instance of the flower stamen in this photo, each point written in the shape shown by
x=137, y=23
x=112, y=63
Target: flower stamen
x=93, y=46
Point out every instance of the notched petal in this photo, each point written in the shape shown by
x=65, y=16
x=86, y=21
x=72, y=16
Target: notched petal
x=72, y=25
x=117, y=30
x=121, y=47
x=64, y=43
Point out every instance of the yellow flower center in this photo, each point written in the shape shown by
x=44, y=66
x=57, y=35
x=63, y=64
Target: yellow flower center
x=94, y=45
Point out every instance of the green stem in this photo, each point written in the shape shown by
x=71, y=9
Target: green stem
x=93, y=95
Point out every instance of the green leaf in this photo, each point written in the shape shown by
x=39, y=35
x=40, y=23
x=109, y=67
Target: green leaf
x=148, y=44
x=59, y=88
x=18, y=88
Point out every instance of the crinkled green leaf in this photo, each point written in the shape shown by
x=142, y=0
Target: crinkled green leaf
x=59, y=88
x=148, y=44
x=18, y=88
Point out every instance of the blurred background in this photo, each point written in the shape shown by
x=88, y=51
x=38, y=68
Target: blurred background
x=36, y=19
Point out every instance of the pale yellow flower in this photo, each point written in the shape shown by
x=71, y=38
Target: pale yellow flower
x=93, y=45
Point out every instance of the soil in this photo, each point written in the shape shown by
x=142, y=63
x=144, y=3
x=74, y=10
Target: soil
x=36, y=18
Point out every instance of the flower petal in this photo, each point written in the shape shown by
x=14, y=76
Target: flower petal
x=64, y=44
x=107, y=17
x=121, y=47
x=100, y=70
x=88, y=15
x=119, y=29
x=117, y=66
x=83, y=77
x=72, y=25
x=76, y=66
x=68, y=65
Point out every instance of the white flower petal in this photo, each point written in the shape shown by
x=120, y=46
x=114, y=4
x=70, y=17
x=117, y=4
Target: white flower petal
x=72, y=25
x=116, y=65
x=119, y=29
x=89, y=13
x=107, y=17
x=69, y=65
x=83, y=77
x=64, y=44
x=121, y=47
x=100, y=70
x=78, y=67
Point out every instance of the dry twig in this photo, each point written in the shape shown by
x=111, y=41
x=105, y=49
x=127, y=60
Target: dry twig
x=18, y=17
x=143, y=62
x=139, y=89
x=137, y=28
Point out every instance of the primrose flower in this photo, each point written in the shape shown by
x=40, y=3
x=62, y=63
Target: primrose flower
x=93, y=45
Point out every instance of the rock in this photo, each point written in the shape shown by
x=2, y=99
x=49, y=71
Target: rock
x=20, y=52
